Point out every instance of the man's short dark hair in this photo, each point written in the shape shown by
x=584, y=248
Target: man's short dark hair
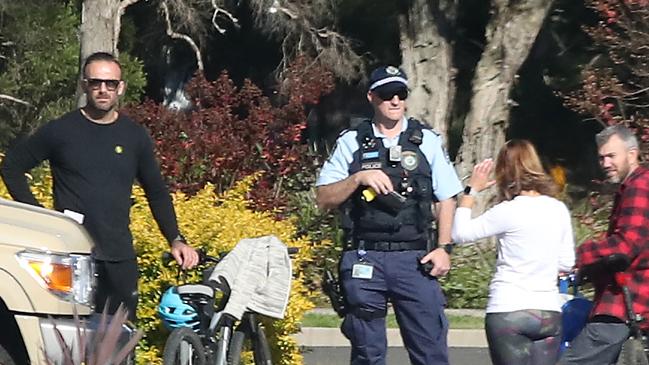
x=99, y=56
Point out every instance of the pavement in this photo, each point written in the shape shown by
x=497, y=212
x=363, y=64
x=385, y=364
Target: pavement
x=395, y=355
x=314, y=337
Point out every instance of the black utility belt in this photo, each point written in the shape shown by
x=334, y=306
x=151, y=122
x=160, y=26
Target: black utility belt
x=388, y=245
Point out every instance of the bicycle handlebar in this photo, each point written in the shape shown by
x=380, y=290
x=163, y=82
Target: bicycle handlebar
x=204, y=258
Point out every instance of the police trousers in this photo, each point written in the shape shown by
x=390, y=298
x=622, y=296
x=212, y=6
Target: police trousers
x=418, y=304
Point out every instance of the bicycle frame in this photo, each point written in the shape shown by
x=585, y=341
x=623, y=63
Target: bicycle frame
x=216, y=329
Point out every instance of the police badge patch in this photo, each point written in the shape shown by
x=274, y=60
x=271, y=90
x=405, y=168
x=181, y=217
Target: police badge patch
x=391, y=70
x=371, y=165
x=409, y=160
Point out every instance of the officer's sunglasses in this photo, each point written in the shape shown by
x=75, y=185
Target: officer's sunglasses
x=95, y=84
x=386, y=95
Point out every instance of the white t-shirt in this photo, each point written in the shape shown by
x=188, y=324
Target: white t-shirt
x=535, y=242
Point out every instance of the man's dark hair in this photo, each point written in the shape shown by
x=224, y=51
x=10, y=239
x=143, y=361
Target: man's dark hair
x=99, y=56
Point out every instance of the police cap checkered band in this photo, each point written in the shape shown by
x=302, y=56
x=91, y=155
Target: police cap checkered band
x=387, y=74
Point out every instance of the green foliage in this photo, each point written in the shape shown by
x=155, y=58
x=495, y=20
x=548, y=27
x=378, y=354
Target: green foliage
x=467, y=284
x=590, y=216
x=324, y=231
x=333, y=321
x=134, y=76
x=41, y=65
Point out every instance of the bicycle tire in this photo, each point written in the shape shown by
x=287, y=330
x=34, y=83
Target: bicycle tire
x=259, y=343
x=632, y=353
x=261, y=348
x=180, y=343
x=236, y=347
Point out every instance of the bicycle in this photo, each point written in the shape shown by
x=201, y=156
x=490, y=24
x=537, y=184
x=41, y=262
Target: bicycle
x=200, y=332
x=635, y=350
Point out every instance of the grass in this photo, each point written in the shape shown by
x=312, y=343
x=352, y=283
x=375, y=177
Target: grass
x=333, y=321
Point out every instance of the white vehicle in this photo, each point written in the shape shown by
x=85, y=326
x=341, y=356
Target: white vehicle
x=46, y=275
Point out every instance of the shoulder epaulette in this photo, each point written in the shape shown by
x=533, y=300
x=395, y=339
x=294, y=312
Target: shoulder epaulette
x=415, y=133
x=364, y=130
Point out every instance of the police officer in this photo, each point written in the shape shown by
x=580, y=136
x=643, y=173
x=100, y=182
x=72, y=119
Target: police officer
x=384, y=175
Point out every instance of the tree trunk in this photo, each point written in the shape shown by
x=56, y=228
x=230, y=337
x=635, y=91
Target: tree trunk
x=97, y=32
x=510, y=36
x=427, y=60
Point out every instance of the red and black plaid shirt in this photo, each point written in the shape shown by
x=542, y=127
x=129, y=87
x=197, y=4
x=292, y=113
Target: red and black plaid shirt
x=628, y=233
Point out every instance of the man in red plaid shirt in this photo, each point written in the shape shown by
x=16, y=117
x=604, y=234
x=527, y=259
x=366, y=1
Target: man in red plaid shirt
x=601, y=340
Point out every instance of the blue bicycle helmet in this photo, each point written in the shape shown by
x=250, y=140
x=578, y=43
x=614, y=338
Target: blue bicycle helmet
x=176, y=313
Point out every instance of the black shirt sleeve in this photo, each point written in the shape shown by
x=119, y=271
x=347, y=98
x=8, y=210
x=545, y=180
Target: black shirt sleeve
x=21, y=159
x=156, y=190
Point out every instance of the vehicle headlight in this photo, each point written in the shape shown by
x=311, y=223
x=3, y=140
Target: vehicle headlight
x=70, y=277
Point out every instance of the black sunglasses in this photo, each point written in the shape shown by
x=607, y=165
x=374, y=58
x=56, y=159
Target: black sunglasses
x=386, y=95
x=95, y=84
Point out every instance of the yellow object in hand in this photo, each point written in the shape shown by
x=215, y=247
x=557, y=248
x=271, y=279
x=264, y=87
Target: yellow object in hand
x=369, y=194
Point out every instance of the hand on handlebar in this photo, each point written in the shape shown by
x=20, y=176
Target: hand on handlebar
x=611, y=264
x=185, y=255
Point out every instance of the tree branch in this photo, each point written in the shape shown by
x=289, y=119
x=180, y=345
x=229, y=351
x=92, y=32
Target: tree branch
x=171, y=33
x=302, y=29
x=218, y=10
x=15, y=100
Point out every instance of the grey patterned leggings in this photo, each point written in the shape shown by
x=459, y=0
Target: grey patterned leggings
x=526, y=337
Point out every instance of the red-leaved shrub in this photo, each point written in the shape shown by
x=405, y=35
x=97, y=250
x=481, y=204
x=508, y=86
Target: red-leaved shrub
x=231, y=132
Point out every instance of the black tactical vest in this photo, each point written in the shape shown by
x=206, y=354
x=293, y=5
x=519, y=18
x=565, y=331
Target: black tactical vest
x=382, y=218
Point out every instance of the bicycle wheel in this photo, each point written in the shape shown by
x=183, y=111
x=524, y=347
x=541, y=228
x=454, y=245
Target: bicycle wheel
x=183, y=347
x=260, y=347
x=236, y=347
x=632, y=353
x=244, y=339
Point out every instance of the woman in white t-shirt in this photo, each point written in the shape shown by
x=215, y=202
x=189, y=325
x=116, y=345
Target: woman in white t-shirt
x=535, y=243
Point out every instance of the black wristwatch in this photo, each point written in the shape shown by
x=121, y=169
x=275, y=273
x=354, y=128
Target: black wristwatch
x=468, y=190
x=448, y=247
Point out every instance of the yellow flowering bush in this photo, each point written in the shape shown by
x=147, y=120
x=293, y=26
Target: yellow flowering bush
x=214, y=223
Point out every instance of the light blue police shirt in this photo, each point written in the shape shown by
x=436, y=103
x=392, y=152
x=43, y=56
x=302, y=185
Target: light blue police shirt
x=445, y=181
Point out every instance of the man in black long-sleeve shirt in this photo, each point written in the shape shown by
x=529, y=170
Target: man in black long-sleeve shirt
x=95, y=155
